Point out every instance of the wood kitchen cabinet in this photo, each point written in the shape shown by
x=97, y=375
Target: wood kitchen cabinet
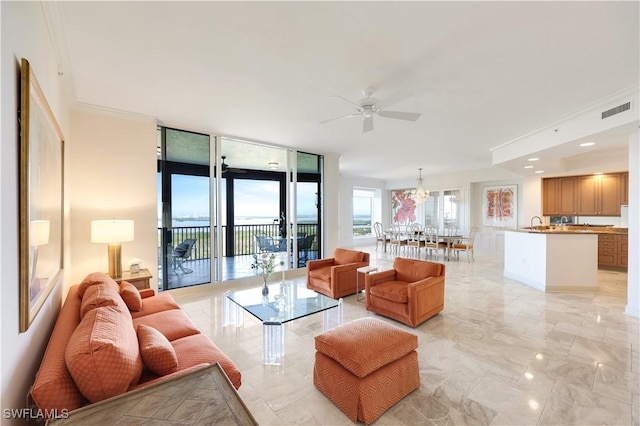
x=613, y=250
x=623, y=250
x=559, y=196
x=624, y=188
x=599, y=195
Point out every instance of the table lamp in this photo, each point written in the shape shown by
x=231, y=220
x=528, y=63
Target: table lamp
x=38, y=236
x=112, y=232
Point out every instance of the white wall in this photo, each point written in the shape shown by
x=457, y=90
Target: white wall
x=633, y=273
x=24, y=35
x=332, y=226
x=113, y=175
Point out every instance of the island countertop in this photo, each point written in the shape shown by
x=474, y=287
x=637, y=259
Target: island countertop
x=572, y=229
x=550, y=260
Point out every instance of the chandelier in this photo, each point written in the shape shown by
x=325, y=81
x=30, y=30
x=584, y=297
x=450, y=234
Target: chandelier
x=419, y=194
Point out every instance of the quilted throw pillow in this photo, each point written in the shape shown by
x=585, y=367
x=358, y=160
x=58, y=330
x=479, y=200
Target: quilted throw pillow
x=102, y=355
x=131, y=296
x=97, y=296
x=157, y=353
x=93, y=279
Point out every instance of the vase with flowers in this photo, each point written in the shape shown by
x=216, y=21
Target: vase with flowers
x=265, y=264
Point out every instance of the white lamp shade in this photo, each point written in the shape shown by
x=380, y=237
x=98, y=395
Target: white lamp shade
x=39, y=232
x=111, y=231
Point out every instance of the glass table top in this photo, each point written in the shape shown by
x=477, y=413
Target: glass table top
x=285, y=302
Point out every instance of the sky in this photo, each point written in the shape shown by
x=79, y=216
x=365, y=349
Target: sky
x=254, y=198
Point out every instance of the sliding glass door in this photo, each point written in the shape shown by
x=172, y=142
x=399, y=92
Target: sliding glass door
x=219, y=198
x=184, y=220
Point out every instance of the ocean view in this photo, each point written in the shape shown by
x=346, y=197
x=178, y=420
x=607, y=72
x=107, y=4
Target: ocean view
x=242, y=220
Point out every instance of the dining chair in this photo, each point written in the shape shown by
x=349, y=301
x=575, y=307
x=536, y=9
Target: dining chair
x=447, y=239
x=398, y=239
x=415, y=239
x=431, y=240
x=381, y=236
x=465, y=244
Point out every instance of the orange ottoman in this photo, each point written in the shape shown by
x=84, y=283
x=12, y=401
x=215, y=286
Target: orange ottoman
x=366, y=366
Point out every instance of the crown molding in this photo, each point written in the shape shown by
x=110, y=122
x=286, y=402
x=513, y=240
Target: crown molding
x=113, y=112
x=56, y=27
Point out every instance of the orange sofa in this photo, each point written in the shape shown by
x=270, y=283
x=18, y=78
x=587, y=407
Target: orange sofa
x=411, y=292
x=336, y=276
x=111, y=338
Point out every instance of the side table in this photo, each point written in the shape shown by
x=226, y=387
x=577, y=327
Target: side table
x=204, y=396
x=365, y=270
x=138, y=279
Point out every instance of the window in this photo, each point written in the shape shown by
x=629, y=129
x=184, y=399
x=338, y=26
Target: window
x=451, y=208
x=363, y=211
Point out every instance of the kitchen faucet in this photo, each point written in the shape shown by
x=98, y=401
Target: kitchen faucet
x=535, y=217
x=562, y=222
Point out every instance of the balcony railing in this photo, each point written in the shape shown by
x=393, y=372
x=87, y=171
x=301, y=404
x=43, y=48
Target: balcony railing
x=243, y=236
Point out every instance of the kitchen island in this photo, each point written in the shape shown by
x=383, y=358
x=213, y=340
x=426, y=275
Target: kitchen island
x=552, y=261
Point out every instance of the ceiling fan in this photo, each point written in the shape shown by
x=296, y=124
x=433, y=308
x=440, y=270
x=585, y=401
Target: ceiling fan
x=226, y=168
x=368, y=106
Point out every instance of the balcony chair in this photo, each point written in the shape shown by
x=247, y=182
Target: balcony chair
x=267, y=244
x=181, y=253
x=336, y=276
x=411, y=292
x=465, y=244
x=304, y=245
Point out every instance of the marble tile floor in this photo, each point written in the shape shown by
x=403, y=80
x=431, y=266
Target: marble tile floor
x=233, y=268
x=500, y=353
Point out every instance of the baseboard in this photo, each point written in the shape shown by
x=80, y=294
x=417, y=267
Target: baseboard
x=572, y=289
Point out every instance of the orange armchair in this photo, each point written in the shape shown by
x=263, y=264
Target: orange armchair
x=336, y=276
x=411, y=292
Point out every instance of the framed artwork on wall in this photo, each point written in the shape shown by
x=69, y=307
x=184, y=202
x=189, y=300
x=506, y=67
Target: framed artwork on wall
x=403, y=207
x=500, y=206
x=41, y=164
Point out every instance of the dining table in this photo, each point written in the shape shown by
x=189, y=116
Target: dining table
x=449, y=240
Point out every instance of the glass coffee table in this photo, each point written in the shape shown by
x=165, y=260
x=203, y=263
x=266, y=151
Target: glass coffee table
x=285, y=302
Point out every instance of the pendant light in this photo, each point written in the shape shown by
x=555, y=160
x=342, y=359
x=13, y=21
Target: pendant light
x=419, y=194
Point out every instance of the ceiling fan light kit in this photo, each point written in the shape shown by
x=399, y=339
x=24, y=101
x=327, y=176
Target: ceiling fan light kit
x=367, y=107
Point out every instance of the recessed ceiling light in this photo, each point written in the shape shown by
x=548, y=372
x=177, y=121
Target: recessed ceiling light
x=597, y=173
x=528, y=167
x=587, y=144
x=533, y=159
x=539, y=171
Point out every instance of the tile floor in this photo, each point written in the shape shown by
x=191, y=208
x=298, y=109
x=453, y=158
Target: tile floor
x=500, y=353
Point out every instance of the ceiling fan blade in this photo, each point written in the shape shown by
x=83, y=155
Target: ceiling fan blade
x=367, y=124
x=400, y=115
x=395, y=98
x=346, y=100
x=356, y=114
